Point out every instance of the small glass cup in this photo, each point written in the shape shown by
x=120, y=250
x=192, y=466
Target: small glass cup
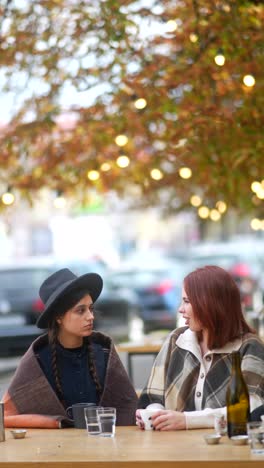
x=220, y=424
x=107, y=421
x=92, y=422
x=255, y=430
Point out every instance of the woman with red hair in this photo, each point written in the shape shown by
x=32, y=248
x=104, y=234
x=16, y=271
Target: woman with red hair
x=190, y=375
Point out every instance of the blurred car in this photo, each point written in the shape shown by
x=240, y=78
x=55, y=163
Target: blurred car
x=19, y=284
x=21, y=305
x=158, y=289
x=242, y=259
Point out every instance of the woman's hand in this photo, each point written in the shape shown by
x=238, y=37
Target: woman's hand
x=139, y=421
x=168, y=420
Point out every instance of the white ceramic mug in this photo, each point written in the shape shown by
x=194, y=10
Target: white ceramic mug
x=146, y=417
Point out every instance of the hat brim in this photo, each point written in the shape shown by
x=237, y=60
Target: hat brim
x=90, y=281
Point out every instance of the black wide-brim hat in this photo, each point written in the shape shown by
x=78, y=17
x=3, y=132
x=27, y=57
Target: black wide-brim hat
x=62, y=282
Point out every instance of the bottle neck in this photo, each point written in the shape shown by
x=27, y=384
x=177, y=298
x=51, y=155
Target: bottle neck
x=236, y=362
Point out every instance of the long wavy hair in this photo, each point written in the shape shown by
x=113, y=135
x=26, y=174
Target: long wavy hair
x=216, y=303
x=63, y=304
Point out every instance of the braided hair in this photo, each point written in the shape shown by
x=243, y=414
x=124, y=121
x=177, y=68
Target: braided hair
x=63, y=304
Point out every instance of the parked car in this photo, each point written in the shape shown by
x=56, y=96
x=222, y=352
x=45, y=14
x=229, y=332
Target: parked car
x=243, y=259
x=20, y=304
x=158, y=289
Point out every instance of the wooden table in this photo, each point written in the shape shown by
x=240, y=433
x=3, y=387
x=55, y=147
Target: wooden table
x=131, y=447
x=135, y=349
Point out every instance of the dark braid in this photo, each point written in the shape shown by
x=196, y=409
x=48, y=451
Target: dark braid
x=92, y=367
x=53, y=340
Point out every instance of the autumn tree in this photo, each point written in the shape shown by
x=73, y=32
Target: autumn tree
x=181, y=80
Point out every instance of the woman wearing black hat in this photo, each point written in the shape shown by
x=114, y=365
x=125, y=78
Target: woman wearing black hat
x=70, y=363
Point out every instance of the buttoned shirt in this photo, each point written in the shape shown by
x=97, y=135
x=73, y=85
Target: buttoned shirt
x=77, y=383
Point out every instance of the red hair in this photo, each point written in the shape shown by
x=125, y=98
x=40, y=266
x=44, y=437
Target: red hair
x=216, y=303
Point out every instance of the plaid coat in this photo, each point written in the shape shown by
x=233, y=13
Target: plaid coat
x=175, y=373
x=31, y=402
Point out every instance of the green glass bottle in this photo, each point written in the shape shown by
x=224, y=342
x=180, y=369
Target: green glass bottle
x=237, y=400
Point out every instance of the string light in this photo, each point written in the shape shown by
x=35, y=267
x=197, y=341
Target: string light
x=221, y=206
x=260, y=194
x=140, y=103
x=156, y=174
x=193, y=37
x=171, y=26
x=258, y=189
x=220, y=58
x=215, y=215
x=105, y=167
x=185, y=172
x=93, y=175
x=257, y=224
x=8, y=197
x=249, y=81
x=121, y=140
x=123, y=161
x=226, y=8
x=195, y=200
x=203, y=212
x=255, y=186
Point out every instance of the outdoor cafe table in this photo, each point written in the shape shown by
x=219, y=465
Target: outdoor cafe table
x=131, y=447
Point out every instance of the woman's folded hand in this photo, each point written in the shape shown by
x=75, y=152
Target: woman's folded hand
x=168, y=420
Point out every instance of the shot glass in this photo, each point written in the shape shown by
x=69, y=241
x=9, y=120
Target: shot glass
x=92, y=421
x=255, y=430
x=220, y=424
x=107, y=421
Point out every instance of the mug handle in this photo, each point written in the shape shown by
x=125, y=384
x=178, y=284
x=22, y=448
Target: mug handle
x=69, y=412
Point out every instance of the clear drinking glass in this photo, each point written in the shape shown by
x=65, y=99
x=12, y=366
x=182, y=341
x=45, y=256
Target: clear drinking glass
x=92, y=422
x=107, y=421
x=255, y=430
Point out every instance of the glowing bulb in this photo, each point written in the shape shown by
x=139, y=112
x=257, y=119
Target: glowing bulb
x=171, y=26
x=221, y=206
x=196, y=200
x=123, y=161
x=140, y=103
x=156, y=174
x=226, y=8
x=185, y=172
x=255, y=186
x=219, y=59
x=249, y=81
x=215, y=215
x=105, y=167
x=255, y=224
x=8, y=198
x=121, y=140
x=260, y=193
x=93, y=175
x=193, y=37
x=203, y=212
